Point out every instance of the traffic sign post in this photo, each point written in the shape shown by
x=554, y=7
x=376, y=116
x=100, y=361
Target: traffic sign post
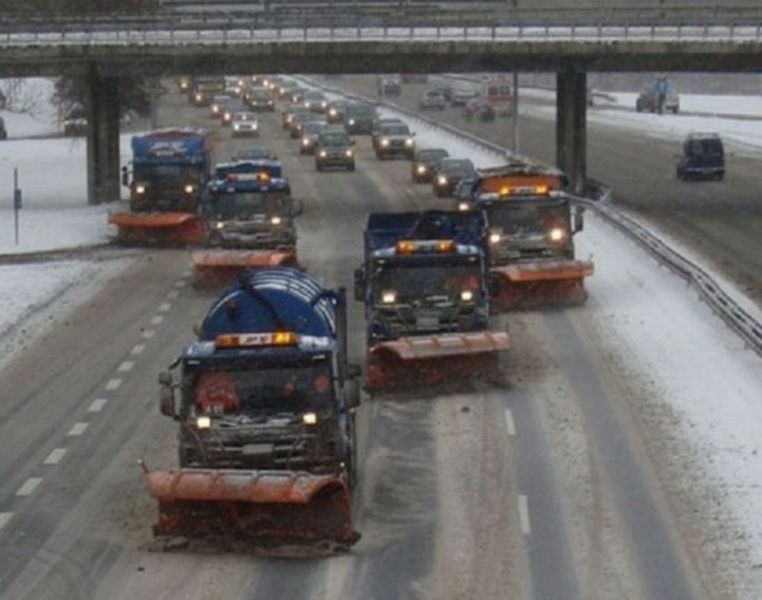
x=16, y=204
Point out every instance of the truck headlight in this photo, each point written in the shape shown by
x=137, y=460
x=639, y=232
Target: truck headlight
x=332, y=112
x=463, y=206
x=384, y=142
x=199, y=97
x=348, y=153
x=203, y=422
x=466, y=295
x=276, y=220
x=442, y=180
x=389, y=297
x=323, y=154
x=421, y=169
x=189, y=188
x=351, y=121
x=409, y=142
x=307, y=104
x=215, y=109
x=309, y=418
x=556, y=234
x=140, y=189
x=236, y=126
x=305, y=141
x=226, y=116
x=219, y=225
x=323, y=104
x=494, y=238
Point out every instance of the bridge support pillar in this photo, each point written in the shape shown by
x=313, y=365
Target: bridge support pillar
x=103, y=179
x=571, y=125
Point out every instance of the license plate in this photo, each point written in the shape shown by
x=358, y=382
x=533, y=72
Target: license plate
x=257, y=449
x=427, y=322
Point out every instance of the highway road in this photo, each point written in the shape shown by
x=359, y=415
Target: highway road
x=720, y=222
x=547, y=489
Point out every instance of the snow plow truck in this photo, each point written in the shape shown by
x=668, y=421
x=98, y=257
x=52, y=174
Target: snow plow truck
x=248, y=215
x=170, y=169
x=265, y=401
x=424, y=285
x=529, y=228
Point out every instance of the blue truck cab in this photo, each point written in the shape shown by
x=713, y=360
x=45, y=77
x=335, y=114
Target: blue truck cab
x=249, y=205
x=423, y=273
x=170, y=169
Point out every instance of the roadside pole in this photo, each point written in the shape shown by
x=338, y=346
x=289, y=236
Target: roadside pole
x=515, y=111
x=16, y=204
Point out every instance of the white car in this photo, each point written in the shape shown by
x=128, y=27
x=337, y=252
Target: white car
x=245, y=124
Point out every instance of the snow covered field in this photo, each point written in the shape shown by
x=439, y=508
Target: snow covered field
x=29, y=111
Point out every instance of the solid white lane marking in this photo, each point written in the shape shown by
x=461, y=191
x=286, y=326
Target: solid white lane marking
x=29, y=486
x=165, y=307
x=4, y=518
x=55, y=457
x=147, y=334
x=526, y=527
x=126, y=366
x=138, y=349
x=510, y=426
x=97, y=405
x=180, y=284
x=113, y=384
x=78, y=429
x=157, y=319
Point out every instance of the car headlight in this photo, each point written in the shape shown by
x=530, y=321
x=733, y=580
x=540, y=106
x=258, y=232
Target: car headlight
x=351, y=121
x=203, y=422
x=384, y=142
x=199, y=97
x=276, y=220
x=236, y=126
x=389, y=297
x=215, y=109
x=323, y=154
x=219, y=225
x=307, y=104
x=409, y=142
x=323, y=104
x=494, y=237
x=466, y=295
x=556, y=234
x=348, y=153
x=463, y=206
x=255, y=126
x=305, y=141
x=140, y=189
x=309, y=418
x=189, y=188
x=226, y=116
x=332, y=112
x=421, y=169
x=442, y=180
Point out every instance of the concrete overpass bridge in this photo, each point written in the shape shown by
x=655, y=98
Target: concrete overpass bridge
x=374, y=37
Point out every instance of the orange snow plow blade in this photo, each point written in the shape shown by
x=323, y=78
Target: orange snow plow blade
x=216, y=268
x=169, y=228
x=260, y=507
x=540, y=284
x=431, y=360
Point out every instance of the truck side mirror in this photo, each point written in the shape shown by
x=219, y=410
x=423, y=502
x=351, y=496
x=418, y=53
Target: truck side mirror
x=579, y=219
x=125, y=177
x=360, y=284
x=166, y=395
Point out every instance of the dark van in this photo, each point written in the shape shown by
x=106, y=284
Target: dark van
x=703, y=157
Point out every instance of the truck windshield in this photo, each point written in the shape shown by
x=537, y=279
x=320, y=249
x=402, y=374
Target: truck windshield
x=527, y=218
x=426, y=281
x=244, y=206
x=167, y=175
x=264, y=389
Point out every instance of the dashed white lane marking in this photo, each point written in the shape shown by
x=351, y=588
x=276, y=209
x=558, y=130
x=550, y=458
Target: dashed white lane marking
x=165, y=307
x=510, y=426
x=180, y=284
x=157, y=319
x=29, y=486
x=55, y=457
x=526, y=527
x=173, y=294
x=78, y=429
x=4, y=518
x=126, y=366
x=113, y=384
x=97, y=405
x=138, y=349
x=147, y=334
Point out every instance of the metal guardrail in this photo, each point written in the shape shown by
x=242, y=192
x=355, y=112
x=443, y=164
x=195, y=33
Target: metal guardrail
x=598, y=199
